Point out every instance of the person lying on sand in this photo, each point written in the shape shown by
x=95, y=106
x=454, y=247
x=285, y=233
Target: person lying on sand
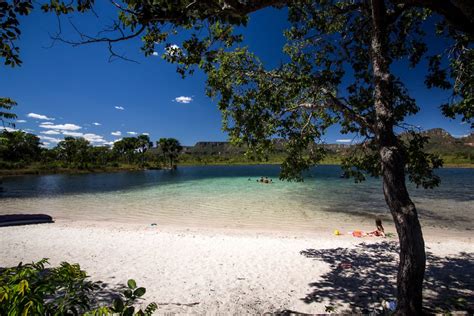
x=379, y=232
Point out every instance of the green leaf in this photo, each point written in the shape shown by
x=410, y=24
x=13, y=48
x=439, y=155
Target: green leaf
x=129, y=311
x=139, y=292
x=128, y=293
x=118, y=305
x=132, y=284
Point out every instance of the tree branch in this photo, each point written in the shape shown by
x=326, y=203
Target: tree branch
x=347, y=111
x=457, y=12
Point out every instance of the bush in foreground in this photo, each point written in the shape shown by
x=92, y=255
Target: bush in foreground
x=33, y=289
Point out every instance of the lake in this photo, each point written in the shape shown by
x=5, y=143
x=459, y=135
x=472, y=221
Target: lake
x=230, y=196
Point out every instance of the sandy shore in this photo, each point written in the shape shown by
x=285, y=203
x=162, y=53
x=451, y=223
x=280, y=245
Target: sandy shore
x=199, y=270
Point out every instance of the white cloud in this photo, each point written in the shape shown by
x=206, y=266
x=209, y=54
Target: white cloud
x=20, y=121
x=345, y=140
x=146, y=134
x=117, y=133
x=96, y=124
x=47, y=123
x=51, y=132
x=155, y=53
x=132, y=133
x=9, y=129
x=73, y=134
x=65, y=127
x=460, y=136
x=183, y=99
x=40, y=117
x=121, y=108
x=50, y=139
x=93, y=138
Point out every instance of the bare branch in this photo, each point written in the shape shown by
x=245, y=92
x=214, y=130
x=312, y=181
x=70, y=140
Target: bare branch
x=113, y=55
x=87, y=39
x=307, y=123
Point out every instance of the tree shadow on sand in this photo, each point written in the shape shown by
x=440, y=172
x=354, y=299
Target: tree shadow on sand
x=364, y=276
x=104, y=294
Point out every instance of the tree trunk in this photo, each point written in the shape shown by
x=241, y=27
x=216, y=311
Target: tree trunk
x=412, y=249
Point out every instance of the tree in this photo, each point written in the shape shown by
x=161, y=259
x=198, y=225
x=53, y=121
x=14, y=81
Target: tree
x=9, y=52
x=18, y=146
x=74, y=151
x=169, y=149
x=144, y=144
x=101, y=155
x=128, y=148
x=6, y=104
x=329, y=44
x=10, y=31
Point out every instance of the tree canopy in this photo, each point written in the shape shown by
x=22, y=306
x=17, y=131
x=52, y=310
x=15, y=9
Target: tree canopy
x=21, y=150
x=6, y=105
x=17, y=146
x=169, y=149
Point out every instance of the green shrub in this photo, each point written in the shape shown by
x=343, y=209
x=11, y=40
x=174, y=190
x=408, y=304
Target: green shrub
x=12, y=164
x=32, y=289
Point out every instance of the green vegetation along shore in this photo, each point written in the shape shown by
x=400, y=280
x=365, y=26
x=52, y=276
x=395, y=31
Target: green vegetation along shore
x=21, y=153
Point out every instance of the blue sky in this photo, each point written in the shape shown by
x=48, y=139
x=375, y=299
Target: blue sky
x=78, y=86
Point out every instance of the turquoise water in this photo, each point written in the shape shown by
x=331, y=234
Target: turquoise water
x=229, y=196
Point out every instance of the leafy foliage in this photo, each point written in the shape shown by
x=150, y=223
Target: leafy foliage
x=19, y=150
x=18, y=146
x=169, y=149
x=6, y=104
x=74, y=151
x=132, y=147
x=421, y=164
x=33, y=289
x=457, y=73
x=10, y=31
x=123, y=305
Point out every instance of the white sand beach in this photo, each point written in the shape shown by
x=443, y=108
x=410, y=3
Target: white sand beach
x=201, y=270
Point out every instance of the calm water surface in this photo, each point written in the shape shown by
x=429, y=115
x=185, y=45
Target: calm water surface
x=229, y=196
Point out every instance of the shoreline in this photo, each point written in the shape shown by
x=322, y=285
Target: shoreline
x=43, y=172
x=234, y=271
x=344, y=222
x=325, y=231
